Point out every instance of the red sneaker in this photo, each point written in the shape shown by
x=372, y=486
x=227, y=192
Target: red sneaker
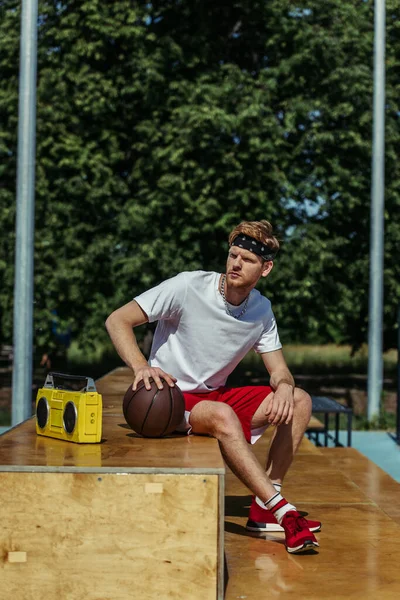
x=298, y=537
x=261, y=519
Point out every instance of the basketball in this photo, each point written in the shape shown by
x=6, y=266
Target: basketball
x=154, y=412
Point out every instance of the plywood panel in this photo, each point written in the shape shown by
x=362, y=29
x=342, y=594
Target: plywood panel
x=109, y=537
x=120, y=449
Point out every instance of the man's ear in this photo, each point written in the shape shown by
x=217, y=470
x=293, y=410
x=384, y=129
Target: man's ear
x=267, y=268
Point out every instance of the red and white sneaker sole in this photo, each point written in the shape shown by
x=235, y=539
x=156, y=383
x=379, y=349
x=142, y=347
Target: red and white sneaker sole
x=308, y=545
x=271, y=527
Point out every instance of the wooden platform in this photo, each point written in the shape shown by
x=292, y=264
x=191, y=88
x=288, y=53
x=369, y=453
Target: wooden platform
x=79, y=520
x=380, y=487
x=359, y=507
x=127, y=518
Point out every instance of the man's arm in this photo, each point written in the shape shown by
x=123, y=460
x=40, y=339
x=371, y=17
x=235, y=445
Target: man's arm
x=280, y=407
x=276, y=366
x=120, y=325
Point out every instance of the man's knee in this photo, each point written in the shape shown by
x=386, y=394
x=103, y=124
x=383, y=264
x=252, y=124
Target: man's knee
x=302, y=402
x=214, y=418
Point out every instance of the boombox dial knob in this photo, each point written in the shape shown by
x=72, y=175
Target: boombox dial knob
x=70, y=417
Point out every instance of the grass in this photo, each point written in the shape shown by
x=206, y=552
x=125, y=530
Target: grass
x=319, y=359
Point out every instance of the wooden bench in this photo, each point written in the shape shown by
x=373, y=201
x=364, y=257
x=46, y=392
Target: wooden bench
x=127, y=518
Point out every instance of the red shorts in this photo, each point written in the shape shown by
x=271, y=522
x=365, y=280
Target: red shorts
x=243, y=400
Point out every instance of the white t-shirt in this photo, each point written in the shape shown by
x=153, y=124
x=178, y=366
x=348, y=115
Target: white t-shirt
x=196, y=340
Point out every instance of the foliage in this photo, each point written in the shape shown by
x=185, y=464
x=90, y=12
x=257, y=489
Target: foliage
x=161, y=125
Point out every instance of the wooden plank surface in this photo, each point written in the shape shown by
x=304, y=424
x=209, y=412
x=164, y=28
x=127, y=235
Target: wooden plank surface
x=315, y=423
x=358, y=554
x=120, y=448
x=115, y=382
x=357, y=504
x=112, y=387
x=371, y=479
x=317, y=472
x=109, y=537
x=357, y=558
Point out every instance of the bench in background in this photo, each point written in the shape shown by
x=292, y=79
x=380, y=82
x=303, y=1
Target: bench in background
x=326, y=407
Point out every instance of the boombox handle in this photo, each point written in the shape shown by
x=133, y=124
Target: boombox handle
x=89, y=387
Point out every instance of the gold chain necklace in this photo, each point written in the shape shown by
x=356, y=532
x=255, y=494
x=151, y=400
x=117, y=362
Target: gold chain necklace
x=228, y=310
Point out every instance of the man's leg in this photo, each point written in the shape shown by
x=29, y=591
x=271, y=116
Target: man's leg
x=220, y=421
x=287, y=438
x=284, y=445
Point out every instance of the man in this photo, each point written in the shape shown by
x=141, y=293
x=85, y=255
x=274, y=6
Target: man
x=207, y=322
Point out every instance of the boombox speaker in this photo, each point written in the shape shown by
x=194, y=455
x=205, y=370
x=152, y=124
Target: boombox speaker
x=68, y=407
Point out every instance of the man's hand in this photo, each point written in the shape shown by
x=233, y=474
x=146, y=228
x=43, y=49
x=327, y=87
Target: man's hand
x=144, y=373
x=280, y=406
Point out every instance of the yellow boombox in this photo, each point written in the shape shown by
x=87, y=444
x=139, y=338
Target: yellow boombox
x=68, y=411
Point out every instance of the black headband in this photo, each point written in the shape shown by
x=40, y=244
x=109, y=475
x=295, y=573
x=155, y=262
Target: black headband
x=249, y=243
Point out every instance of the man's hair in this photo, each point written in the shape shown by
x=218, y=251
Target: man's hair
x=259, y=230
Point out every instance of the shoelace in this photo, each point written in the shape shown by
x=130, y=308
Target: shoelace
x=295, y=524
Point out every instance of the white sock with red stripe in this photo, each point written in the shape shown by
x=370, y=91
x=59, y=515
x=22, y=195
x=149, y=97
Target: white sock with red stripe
x=279, y=506
x=277, y=486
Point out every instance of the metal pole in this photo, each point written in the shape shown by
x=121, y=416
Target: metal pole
x=25, y=209
x=398, y=377
x=396, y=436
x=375, y=360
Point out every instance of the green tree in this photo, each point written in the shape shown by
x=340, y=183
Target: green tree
x=330, y=119
x=161, y=125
